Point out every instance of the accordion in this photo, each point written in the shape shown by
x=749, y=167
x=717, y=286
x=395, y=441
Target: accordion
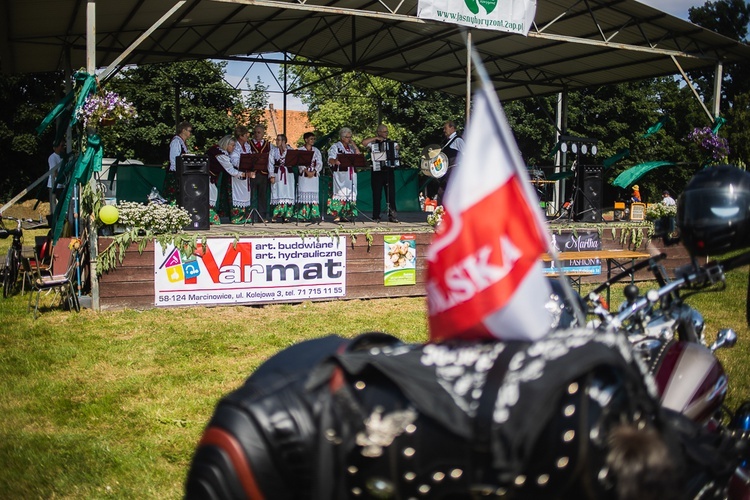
x=385, y=154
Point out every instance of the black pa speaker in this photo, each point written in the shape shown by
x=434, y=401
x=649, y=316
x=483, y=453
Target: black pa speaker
x=590, y=201
x=192, y=174
x=191, y=164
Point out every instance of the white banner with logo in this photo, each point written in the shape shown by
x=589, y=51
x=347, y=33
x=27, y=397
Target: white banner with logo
x=225, y=271
x=513, y=16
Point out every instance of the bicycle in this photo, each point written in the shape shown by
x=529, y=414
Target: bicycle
x=13, y=258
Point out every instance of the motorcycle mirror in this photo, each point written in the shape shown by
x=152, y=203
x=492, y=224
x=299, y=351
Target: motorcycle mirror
x=725, y=338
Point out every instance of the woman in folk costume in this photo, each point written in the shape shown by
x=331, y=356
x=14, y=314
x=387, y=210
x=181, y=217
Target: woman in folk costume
x=281, y=178
x=241, y=193
x=177, y=147
x=219, y=164
x=343, y=203
x=308, y=192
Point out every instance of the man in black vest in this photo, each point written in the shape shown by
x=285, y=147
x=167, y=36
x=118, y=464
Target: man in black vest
x=383, y=175
x=453, y=145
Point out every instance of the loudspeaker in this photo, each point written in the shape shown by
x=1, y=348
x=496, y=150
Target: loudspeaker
x=590, y=201
x=191, y=164
x=192, y=172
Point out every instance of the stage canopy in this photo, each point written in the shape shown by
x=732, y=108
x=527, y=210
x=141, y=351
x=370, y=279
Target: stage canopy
x=572, y=44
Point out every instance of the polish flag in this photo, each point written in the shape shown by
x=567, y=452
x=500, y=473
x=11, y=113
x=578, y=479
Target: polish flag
x=485, y=278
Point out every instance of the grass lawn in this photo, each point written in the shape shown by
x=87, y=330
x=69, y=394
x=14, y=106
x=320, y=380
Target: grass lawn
x=112, y=404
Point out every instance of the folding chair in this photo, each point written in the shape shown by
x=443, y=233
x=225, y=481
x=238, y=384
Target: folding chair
x=42, y=258
x=62, y=284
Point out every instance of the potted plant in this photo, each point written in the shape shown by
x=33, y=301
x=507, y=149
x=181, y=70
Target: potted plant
x=716, y=148
x=105, y=109
x=155, y=217
x=663, y=218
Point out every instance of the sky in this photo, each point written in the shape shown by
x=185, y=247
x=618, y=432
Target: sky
x=678, y=8
x=237, y=72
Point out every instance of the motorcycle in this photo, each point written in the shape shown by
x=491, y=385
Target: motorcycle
x=572, y=415
x=668, y=335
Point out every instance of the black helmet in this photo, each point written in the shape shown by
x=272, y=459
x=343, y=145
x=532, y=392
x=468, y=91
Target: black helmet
x=713, y=213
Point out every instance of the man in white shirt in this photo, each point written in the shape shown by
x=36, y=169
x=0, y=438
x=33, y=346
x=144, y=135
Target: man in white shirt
x=667, y=200
x=53, y=162
x=452, y=148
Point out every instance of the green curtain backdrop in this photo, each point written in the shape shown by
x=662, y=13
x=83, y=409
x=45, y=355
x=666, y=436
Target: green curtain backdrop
x=134, y=183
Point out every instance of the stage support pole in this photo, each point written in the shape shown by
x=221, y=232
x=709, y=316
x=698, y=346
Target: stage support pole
x=93, y=230
x=561, y=158
x=718, y=77
x=692, y=87
x=283, y=122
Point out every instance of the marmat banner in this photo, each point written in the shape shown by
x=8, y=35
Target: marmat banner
x=512, y=16
x=225, y=271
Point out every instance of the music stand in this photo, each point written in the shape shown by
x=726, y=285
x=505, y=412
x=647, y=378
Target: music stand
x=254, y=163
x=351, y=160
x=299, y=158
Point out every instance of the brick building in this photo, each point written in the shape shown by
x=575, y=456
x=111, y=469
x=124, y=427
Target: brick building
x=297, y=124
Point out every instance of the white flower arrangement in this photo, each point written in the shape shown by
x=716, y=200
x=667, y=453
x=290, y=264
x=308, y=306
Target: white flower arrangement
x=156, y=217
x=436, y=217
x=660, y=210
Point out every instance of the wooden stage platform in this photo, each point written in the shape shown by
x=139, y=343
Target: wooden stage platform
x=133, y=283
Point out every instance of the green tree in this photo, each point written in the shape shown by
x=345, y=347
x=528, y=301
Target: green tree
x=166, y=94
x=25, y=101
x=730, y=18
x=360, y=101
x=255, y=104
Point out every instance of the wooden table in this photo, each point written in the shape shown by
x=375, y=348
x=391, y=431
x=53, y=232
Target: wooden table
x=616, y=259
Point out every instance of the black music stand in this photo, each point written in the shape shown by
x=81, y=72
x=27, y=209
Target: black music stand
x=352, y=160
x=299, y=158
x=254, y=163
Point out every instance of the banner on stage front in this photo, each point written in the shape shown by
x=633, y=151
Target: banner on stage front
x=400, y=260
x=513, y=16
x=249, y=270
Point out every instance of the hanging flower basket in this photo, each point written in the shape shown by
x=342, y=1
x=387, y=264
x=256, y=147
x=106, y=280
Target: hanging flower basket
x=715, y=147
x=101, y=110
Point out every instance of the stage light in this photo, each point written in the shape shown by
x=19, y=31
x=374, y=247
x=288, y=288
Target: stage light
x=578, y=145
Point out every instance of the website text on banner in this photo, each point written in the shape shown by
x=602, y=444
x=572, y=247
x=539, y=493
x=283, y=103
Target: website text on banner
x=251, y=270
x=512, y=16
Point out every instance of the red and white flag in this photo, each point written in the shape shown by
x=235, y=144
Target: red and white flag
x=485, y=276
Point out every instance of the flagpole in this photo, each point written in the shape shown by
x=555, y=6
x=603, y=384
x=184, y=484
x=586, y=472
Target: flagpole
x=486, y=85
x=469, y=51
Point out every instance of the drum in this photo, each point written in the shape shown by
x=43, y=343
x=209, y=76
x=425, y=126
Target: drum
x=434, y=162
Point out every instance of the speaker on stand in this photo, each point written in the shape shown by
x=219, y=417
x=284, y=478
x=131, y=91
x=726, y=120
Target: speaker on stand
x=192, y=173
x=590, y=202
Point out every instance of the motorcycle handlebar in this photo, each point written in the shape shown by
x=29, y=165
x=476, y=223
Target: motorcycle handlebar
x=627, y=272
x=709, y=274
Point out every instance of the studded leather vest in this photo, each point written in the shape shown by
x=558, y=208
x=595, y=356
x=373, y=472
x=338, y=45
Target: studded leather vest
x=375, y=418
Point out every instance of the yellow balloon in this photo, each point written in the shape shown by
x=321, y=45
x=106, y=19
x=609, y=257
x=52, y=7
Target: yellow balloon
x=109, y=214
